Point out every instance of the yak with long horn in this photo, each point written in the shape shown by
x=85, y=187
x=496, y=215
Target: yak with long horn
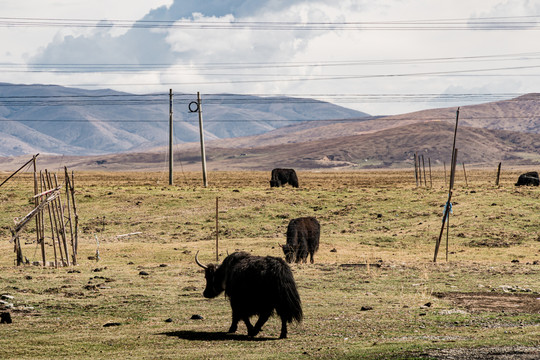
x=255, y=285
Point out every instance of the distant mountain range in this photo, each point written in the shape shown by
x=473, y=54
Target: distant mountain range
x=58, y=120
x=505, y=131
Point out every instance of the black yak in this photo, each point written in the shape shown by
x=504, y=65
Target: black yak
x=282, y=177
x=302, y=239
x=255, y=285
x=530, y=178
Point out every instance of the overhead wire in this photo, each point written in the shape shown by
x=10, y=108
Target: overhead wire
x=489, y=23
x=126, y=67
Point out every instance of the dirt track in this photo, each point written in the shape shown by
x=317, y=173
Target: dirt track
x=486, y=353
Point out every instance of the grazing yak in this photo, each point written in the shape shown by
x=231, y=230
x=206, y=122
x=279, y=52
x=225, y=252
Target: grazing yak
x=255, y=285
x=281, y=177
x=302, y=239
x=530, y=178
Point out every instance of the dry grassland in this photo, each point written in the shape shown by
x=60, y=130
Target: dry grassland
x=404, y=306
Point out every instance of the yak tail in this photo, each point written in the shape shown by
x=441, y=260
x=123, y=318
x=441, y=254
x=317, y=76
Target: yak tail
x=290, y=305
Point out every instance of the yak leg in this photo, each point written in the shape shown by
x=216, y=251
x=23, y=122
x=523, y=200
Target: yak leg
x=260, y=322
x=283, y=334
x=248, y=325
x=234, y=324
x=311, y=258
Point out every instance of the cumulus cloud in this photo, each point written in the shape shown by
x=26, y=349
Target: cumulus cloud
x=371, y=61
x=144, y=46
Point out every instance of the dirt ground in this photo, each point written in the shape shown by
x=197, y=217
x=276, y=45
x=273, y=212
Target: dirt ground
x=494, y=301
x=486, y=353
x=491, y=302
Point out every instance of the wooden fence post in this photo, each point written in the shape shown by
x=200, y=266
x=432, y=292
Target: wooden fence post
x=445, y=181
x=448, y=202
x=498, y=175
x=419, y=170
x=430, y=178
x=424, y=167
x=465, y=174
x=415, y=170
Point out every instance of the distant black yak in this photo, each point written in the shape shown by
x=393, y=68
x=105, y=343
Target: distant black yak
x=281, y=177
x=255, y=285
x=302, y=239
x=530, y=178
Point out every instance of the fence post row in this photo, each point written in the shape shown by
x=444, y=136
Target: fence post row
x=47, y=198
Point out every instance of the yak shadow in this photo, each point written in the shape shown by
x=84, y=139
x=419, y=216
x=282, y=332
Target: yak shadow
x=212, y=336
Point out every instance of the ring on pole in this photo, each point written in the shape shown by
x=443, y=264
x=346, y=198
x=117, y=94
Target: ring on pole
x=193, y=109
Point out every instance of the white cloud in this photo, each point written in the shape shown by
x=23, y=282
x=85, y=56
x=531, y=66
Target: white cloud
x=192, y=48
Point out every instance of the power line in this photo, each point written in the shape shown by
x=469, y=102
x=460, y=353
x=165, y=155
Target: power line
x=251, y=99
x=128, y=68
x=239, y=75
x=397, y=118
x=289, y=78
x=499, y=23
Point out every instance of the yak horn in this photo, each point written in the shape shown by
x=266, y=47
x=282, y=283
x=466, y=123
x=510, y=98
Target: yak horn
x=198, y=262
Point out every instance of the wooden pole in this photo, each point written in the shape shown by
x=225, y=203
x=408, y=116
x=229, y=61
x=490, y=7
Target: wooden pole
x=22, y=223
x=54, y=220
x=19, y=169
x=430, y=178
x=465, y=174
x=40, y=238
x=448, y=202
x=498, y=175
x=419, y=171
x=447, y=209
x=45, y=187
x=69, y=221
x=62, y=222
x=217, y=229
x=416, y=169
x=74, y=203
x=201, y=131
x=170, y=137
x=453, y=149
x=424, y=167
x=445, y=181
x=447, y=234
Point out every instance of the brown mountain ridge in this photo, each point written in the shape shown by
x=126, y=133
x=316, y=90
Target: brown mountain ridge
x=488, y=133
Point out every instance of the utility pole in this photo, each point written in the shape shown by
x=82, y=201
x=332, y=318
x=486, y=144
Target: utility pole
x=170, y=137
x=203, y=154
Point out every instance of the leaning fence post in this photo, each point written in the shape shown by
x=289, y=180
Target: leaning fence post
x=448, y=202
x=498, y=175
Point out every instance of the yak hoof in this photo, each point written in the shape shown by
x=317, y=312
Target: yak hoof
x=253, y=333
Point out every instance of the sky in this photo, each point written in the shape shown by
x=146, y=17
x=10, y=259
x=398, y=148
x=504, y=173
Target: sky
x=381, y=57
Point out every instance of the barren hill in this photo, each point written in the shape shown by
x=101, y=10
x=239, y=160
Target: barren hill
x=506, y=131
x=60, y=120
x=521, y=114
x=393, y=147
